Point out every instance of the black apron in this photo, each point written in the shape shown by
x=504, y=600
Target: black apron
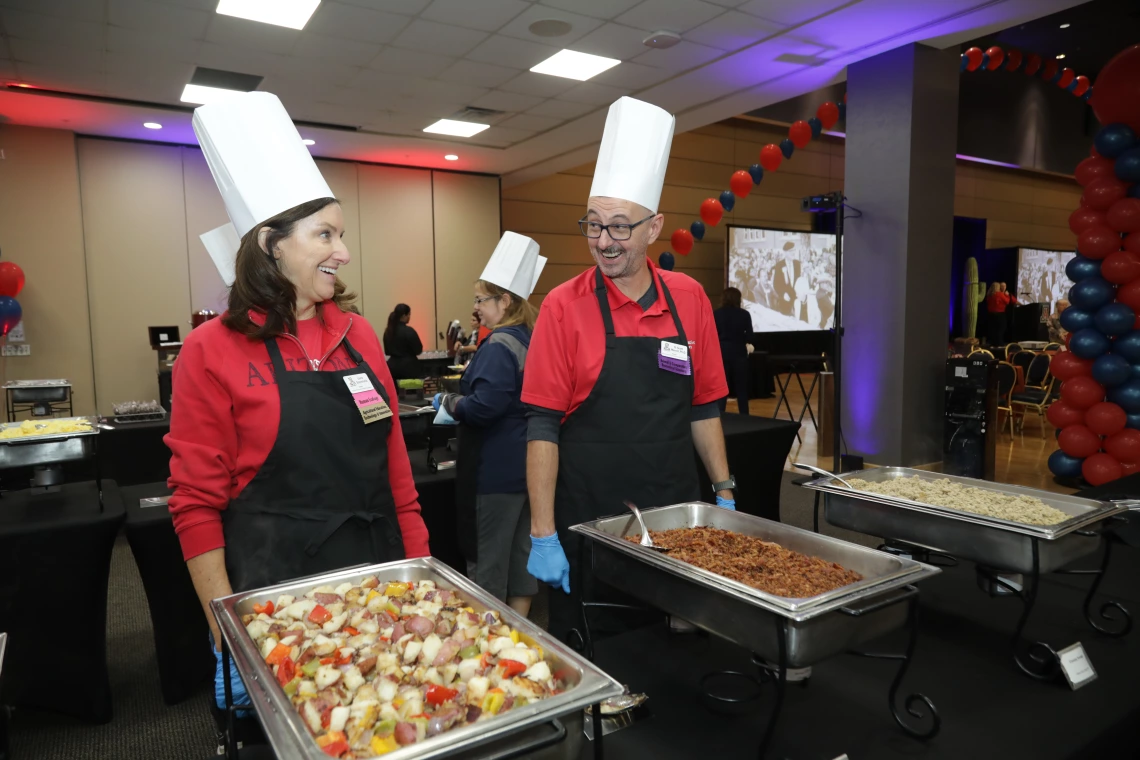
x=321, y=501
x=630, y=439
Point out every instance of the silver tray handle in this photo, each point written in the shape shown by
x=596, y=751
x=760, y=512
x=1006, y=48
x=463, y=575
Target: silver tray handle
x=879, y=603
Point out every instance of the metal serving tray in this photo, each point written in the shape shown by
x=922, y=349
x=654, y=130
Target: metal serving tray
x=817, y=627
x=92, y=421
x=291, y=740
x=33, y=450
x=1001, y=544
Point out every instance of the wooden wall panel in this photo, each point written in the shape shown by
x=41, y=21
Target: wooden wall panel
x=342, y=180
x=204, y=212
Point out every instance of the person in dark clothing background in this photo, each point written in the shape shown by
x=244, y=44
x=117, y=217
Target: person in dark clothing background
x=402, y=344
x=734, y=328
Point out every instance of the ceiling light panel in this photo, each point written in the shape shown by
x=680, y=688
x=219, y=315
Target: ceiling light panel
x=292, y=14
x=456, y=128
x=573, y=65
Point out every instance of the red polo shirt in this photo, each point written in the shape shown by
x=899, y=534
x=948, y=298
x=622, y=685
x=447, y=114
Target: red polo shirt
x=569, y=342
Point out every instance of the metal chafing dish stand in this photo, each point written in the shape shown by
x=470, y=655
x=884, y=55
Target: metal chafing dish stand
x=517, y=733
x=784, y=631
x=997, y=546
x=46, y=453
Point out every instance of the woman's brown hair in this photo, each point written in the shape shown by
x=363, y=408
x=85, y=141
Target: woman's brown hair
x=518, y=312
x=259, y=285
x=730, y=298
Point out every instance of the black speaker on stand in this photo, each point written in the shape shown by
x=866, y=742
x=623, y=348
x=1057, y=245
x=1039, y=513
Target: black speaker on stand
x=970, y=433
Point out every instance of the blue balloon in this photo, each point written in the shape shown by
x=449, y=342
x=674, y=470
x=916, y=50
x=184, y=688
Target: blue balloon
x=787, y=147
x=698, y=230
x=842, y=111
x=1135, y=370
x=1087, y=95
x=727, y=200
x=963, y=62
x=1081, y=268
x=1128, y=346
x=1089, y=343
x=1111, y=370
x=985, y=64
x=1057, y=77
x=666, y=261
x=1074, y=319
x=10, y=313
x=1133, y=421
x=1127, y=167
x=816, y=126
x=1072, y=85
x=1064, y=466
x=1134, y=191
x=1091, y=294
x=1115, y=139
x=1127, y=396
x=1114, y=319
x=757, y=173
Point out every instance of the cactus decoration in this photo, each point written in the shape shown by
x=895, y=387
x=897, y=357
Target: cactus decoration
x=974, y=293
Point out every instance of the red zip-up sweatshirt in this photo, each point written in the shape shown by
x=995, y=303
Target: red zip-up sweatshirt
x=226, y=410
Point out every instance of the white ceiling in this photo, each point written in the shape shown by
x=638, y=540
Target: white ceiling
x=388, y=68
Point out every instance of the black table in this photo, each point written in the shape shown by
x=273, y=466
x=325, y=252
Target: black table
x=793, y=365
x=55, y=550
x=757, y=448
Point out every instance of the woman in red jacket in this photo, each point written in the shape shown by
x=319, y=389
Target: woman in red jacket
x=997, y=301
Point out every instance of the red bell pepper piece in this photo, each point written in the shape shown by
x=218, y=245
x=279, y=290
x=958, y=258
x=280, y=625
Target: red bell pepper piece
x=335, y=749
x=511, y=668
x=279, y=653
x=328, y=660
x=346, y=660
x=326, y=716
x=267, y=608
x=320, y=615
x=437, y=695
x=351, y=631
x=286, y=671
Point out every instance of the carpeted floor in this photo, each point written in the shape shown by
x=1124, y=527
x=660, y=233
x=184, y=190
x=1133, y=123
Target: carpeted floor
x=144, y=727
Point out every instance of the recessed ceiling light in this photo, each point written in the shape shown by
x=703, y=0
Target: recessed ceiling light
x=307, y=141
x=456, y=128
x=574, y=65
x=1064, y=26
x=196, y=93
x=451, y=157
x=1060, y=56
x=293, y=14
x=550, y=27
x=152, y=125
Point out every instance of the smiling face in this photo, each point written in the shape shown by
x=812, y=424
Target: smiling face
x=311, y=256
x=492, y=310
x=621, y=259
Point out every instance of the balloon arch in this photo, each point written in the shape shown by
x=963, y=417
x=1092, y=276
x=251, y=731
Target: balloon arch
x=1098, y=412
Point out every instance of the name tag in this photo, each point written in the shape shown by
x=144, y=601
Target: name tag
x=1076, y=666
x=674, y=357
x=675, y=350
x=371, y=405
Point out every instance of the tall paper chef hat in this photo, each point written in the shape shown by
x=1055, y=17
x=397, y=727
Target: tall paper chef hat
x=515, y=265
x=257, y=158
x=634, y=153
x=222, y=244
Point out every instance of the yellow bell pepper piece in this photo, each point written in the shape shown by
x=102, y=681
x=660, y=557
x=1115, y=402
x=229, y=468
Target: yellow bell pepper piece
x=514, y=636
x=396, y=589
x=372, y=595
x=493, y=702
x=382, y=746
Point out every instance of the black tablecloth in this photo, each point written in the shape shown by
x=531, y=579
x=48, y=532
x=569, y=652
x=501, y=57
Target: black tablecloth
x=55, y=559
x=757, y=449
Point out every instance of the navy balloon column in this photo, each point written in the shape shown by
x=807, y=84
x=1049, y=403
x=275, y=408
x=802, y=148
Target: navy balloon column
x=1098, y=413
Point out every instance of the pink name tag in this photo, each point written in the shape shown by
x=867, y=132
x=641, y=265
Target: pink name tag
x=372, y=407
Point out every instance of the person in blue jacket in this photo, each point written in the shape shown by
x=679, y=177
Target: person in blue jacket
x=491, y=496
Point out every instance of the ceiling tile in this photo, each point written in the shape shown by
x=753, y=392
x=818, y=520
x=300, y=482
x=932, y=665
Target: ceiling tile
x=674, y=15
x=56, y=57
x=78, y=11
x=482, y=74
x=594, y=94
x=501, y=137
x=506, y=51
x=355, y=23
x=530, y=122
x=422, y=112
x=487, y=15
x=684, y=55
x=243, y=34
x=728, y=3
x=129, y=42
x=372, y=81
x=59, y=31
x=633, y=76
x=150, y=91
x=733, y=31
x=613, y=41
x=441, y=92
x=167, y=20
x=230, y=58
x=315, y=75
x=541, y=85
x=319, y=47
x=142, y=68
x=790, y=13
x=410, y=62
x=347, y=96
x=520, y=26
x=595, y=8
x=404, y=7
x=561, y=109
x=7, y=69
x=506, y=101
x=201, y=5
x=63, y=78
x=444, y=38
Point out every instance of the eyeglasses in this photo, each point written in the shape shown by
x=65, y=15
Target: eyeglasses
x=594, y=230
x=484, y=299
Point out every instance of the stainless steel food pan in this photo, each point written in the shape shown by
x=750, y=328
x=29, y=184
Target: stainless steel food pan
x=547, y=719
x=36, y=450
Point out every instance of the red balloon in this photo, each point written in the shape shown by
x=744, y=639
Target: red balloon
x=1097, y=242
x=800, y=133
x=1082, y=392
x=1132, y=242
x=828, y=113
x=1093, y=168
x=1067, y=365
x=1082, y=86
x=1094, y=152
x=1124, y=446
x=973, y=58
x=1012, y=60
x=682, y=241
x=1049, y=70
x=1100, y=469
x=1121, y=267
x=1078, y=441
x=1032, y=64
x=997, y=55
x=1129, y=295
x=1127, y=468
x=1116, y=97
x=1123, y=216
x=711, y=211
x=771, y=156
x=1061, y=415
x=1067, y=77
x=740, y=183
x=11, y=279
x=1103, y=192
x=1083, y=218
x=1106, y=418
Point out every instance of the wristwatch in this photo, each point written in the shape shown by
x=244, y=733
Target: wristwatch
x=725, y=485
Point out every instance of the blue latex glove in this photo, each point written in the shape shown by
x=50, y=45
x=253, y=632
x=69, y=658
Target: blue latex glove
x=548, y=562
x=443, y=418
x=726, y=503
x=238, y=693
x=435, y=401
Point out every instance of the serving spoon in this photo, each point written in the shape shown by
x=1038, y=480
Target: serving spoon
x=824, y=473
x=645, y=541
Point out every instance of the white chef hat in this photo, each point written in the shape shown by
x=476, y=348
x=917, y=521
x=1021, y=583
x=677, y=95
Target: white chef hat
x=515, y=265
x=257, y=158
x=634, y=153
x=222, y=244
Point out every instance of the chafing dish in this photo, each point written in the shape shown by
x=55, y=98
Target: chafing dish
x=536, y=724
x=33, y=450
x=817, y=627
x=996, y=543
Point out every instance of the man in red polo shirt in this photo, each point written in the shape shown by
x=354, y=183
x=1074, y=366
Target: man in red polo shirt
x=624, y=370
